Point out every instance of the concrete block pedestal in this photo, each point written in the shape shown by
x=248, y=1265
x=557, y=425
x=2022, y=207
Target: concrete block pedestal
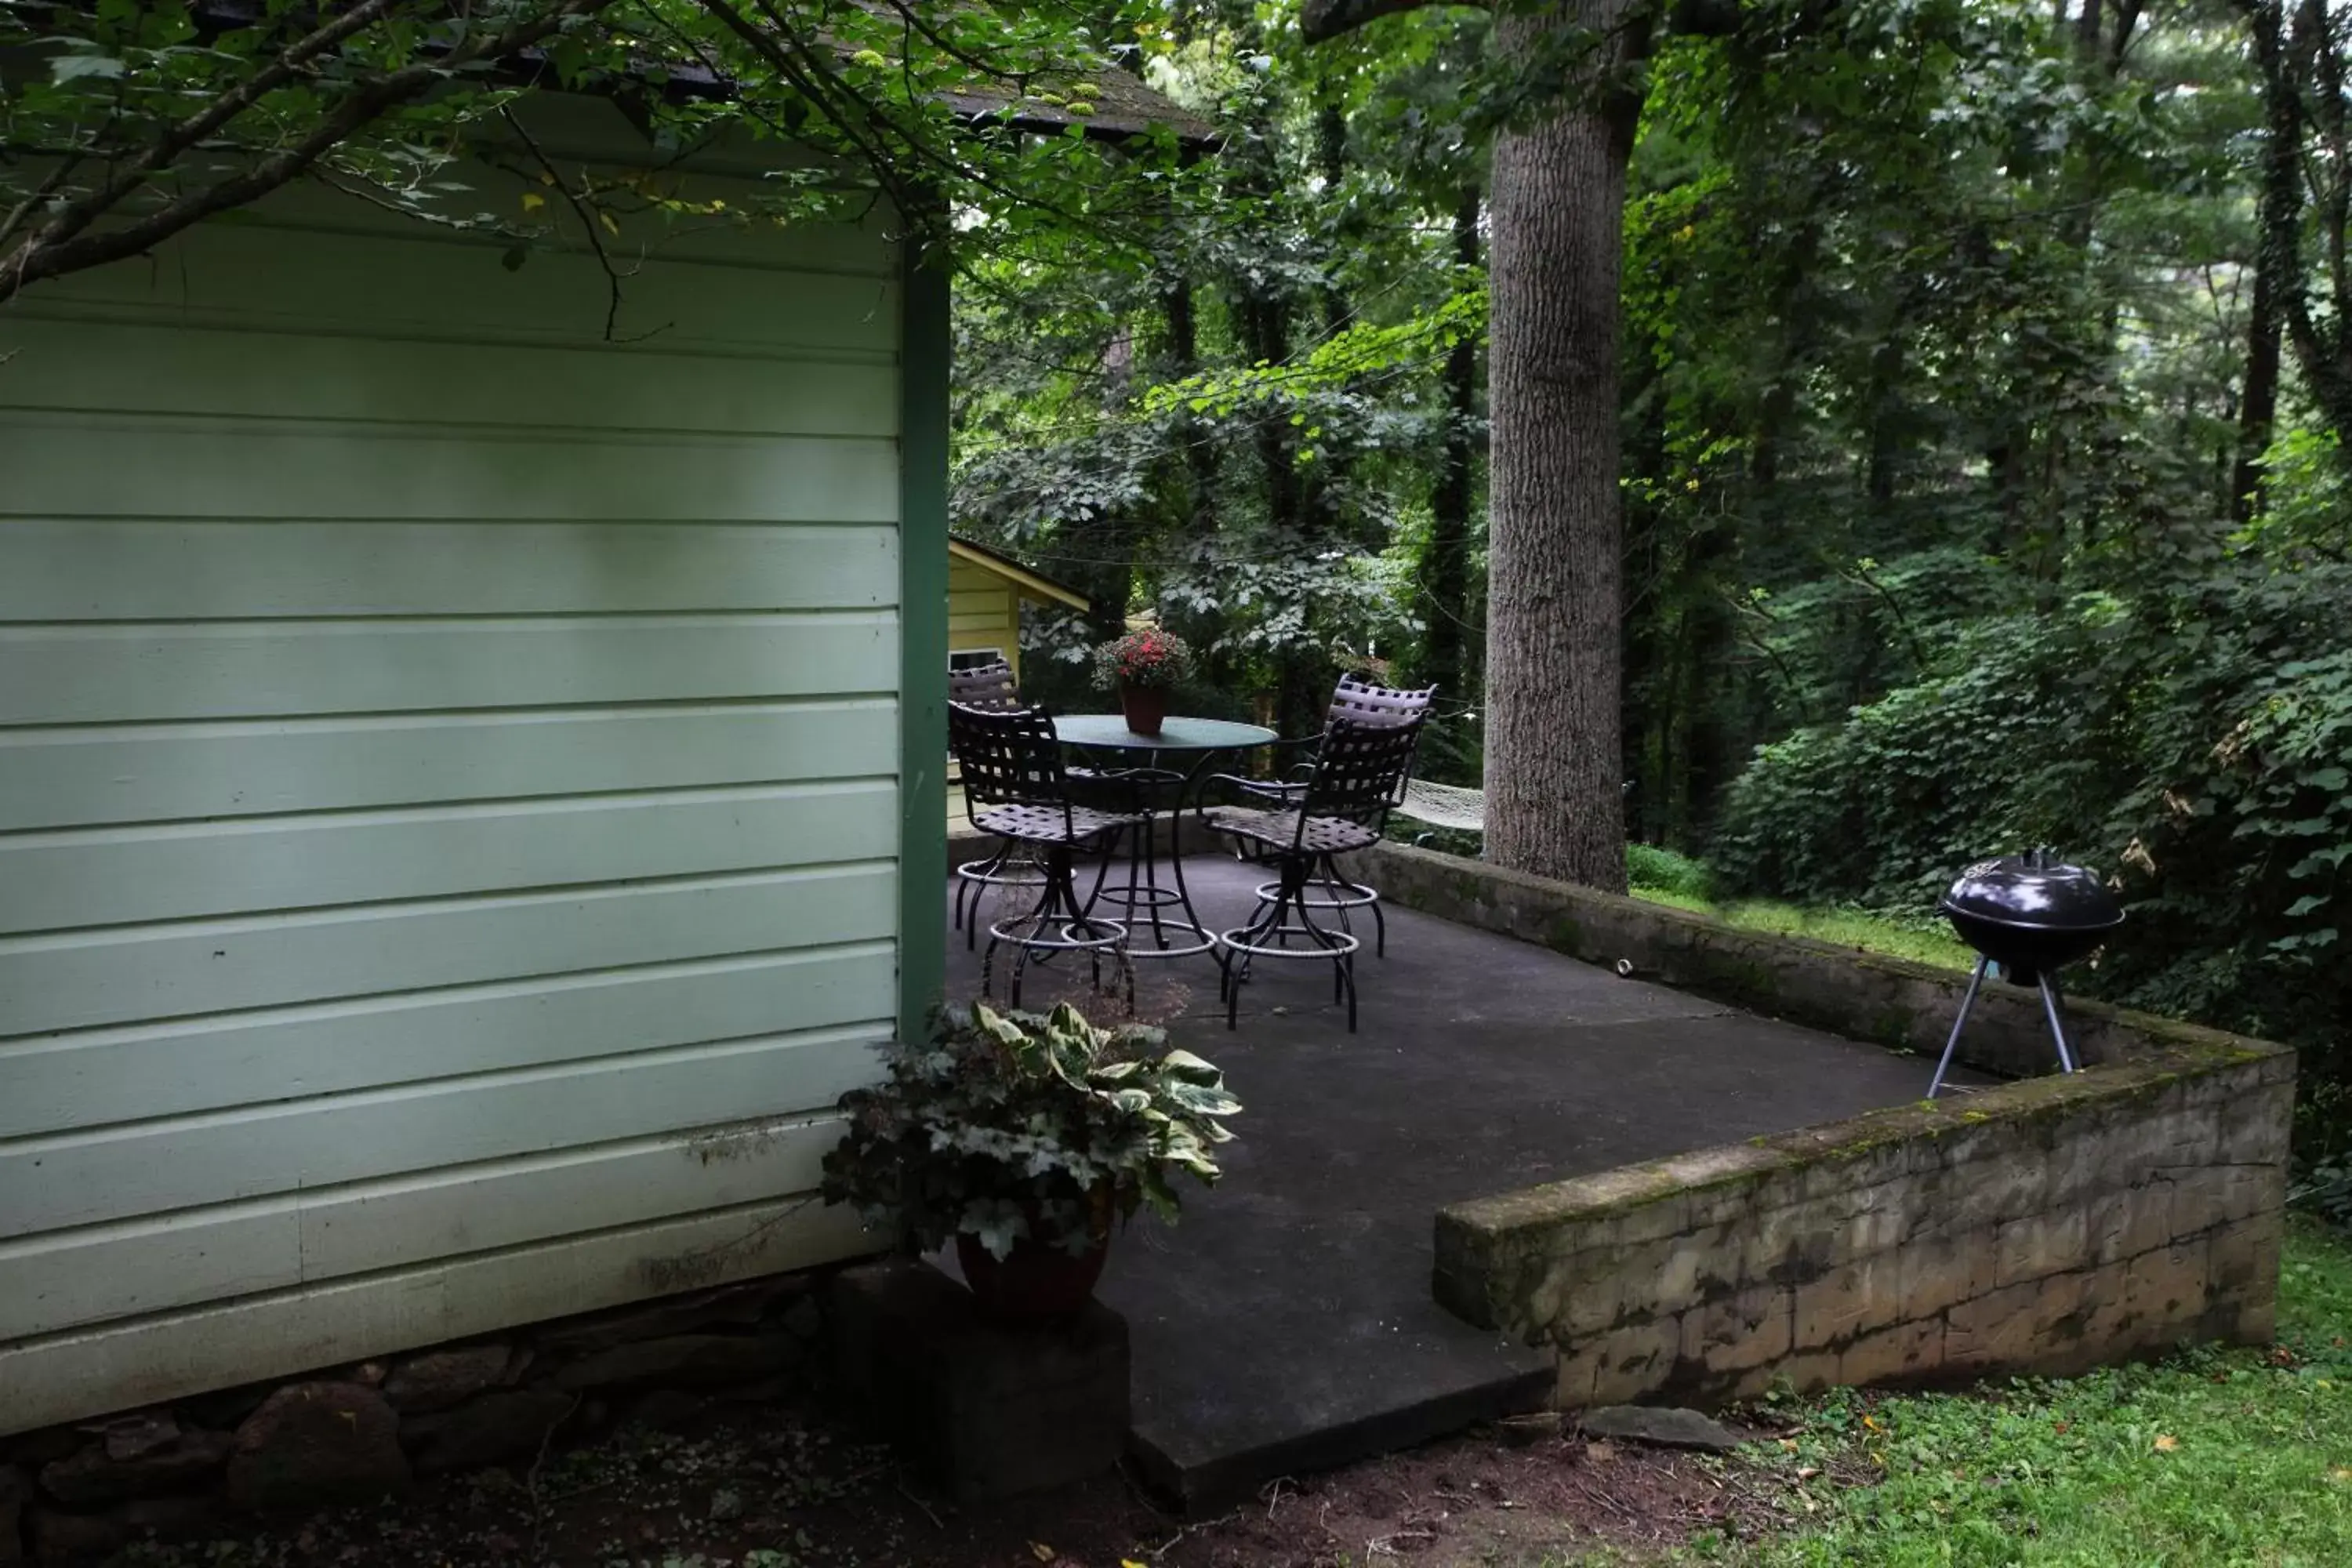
x=985, y=1412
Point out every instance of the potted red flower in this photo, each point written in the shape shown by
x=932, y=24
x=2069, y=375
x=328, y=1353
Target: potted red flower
x=1140, y=666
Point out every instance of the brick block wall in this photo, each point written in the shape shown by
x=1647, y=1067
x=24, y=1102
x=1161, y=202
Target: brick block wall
x=2045, y=1226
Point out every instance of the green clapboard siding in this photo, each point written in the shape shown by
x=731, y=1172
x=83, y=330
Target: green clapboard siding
x=452, y=794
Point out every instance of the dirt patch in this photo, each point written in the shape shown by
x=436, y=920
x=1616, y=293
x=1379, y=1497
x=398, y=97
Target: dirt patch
x=778, y=1486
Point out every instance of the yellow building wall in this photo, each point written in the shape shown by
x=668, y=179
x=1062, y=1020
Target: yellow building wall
x=983, y=613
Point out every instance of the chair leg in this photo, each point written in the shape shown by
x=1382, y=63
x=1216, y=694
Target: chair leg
x=1058, y=910
x=1967, y=1000
x=2057, y=1026
x=1272, y=924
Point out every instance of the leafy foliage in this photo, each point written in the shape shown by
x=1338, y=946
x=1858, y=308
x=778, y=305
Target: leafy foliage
x=2192, y=737
x=126, y=123
x=1009, y=1125
x=1147, y=660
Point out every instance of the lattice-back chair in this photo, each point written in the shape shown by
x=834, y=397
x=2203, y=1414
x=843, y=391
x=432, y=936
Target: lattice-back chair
x=1015, y=787
x=1354, y=701
x=1360, y=701
x=1358, y=775
x=991, y=686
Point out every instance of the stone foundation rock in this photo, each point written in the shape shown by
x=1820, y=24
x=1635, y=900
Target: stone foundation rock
x=316, y=1443
x=203, y=1467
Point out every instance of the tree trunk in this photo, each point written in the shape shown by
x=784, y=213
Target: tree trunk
x=1554, y=805
x=1446, y=563
x=2259, y=401
x=2281, y=209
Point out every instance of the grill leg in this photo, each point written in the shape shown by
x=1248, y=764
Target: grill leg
x=2057, y=1024
x=1967, y=1001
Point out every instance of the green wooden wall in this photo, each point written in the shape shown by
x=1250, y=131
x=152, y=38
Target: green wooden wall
x=453, y=771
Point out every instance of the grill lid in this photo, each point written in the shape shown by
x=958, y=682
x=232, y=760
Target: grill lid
x=2034, y=892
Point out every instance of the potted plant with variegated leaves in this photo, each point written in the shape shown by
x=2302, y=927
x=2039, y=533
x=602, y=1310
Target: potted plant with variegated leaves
x=1022, y=1138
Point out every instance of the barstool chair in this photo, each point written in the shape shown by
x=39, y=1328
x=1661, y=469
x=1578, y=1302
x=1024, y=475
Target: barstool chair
x=1358, y=770
x=1013, y=864
x=1357, y=701
x=1013, y=780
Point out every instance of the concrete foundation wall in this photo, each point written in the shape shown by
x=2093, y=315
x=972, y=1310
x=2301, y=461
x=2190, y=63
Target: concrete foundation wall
x=2044, y=1225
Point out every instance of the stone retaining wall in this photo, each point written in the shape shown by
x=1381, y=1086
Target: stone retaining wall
x=1845, y=991
x=356, y=1433
x=2042, y=1225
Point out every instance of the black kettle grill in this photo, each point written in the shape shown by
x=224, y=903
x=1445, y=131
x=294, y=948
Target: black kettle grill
x=2032, y=914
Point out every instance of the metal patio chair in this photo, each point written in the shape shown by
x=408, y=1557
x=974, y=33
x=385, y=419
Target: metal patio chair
x=1357, y=701
x=1014, y=783
x=1358, y=775
x=991, y=685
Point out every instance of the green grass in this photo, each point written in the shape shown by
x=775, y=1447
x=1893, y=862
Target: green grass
x=2236, y=1459
x=1846, y=928
x=2217, y=1459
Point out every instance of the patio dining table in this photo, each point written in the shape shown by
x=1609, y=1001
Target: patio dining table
x=1173, y=764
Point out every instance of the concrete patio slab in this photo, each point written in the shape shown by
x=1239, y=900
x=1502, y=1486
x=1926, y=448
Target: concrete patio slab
x=1287, y=1324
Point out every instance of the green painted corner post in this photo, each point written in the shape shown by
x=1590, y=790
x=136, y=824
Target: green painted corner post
x=922, y=637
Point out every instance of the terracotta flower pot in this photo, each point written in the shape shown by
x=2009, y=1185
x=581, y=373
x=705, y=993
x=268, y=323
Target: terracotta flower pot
x=1037, y=1282
x=1146, y=708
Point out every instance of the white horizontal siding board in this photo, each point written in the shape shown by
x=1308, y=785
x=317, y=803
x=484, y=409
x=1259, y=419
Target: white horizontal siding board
x=169, y=1355
x=85, y=775
x=146, y=1168
x=73, y=1278
x=281, y=279
x=102, y=366
x=93, y=1077
x=68, y=1278
x=92, y=979
x=134, y=673
x=73, y=464
x=372, y=1226
x=108, y=571
x=119, y=876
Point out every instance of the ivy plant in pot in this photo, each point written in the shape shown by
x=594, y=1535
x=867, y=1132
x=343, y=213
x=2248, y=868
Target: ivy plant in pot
x=1022, y=1138
x=1140, y=666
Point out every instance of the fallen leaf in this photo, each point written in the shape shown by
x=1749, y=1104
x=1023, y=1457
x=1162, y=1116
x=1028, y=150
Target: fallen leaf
x=1599, y=1453
x=532, y=201
x=1872, y=1422
x=1129, y=1562
x=2339, y=1475
x=2060, y=1426
x=1041, y=1552
x=1788, y=1444
x=612, y=227
x=2166, y=1443
x=1808, y=1472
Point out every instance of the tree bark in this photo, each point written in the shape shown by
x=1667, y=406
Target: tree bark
x=2276, y=251
x=1555, y=804
x=1446, y=563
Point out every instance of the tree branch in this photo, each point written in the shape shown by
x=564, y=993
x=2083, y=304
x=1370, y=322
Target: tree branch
x=62, y=245
x=587, y=216
x=49, y=188
x=1320, y=21
x=212, y=117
